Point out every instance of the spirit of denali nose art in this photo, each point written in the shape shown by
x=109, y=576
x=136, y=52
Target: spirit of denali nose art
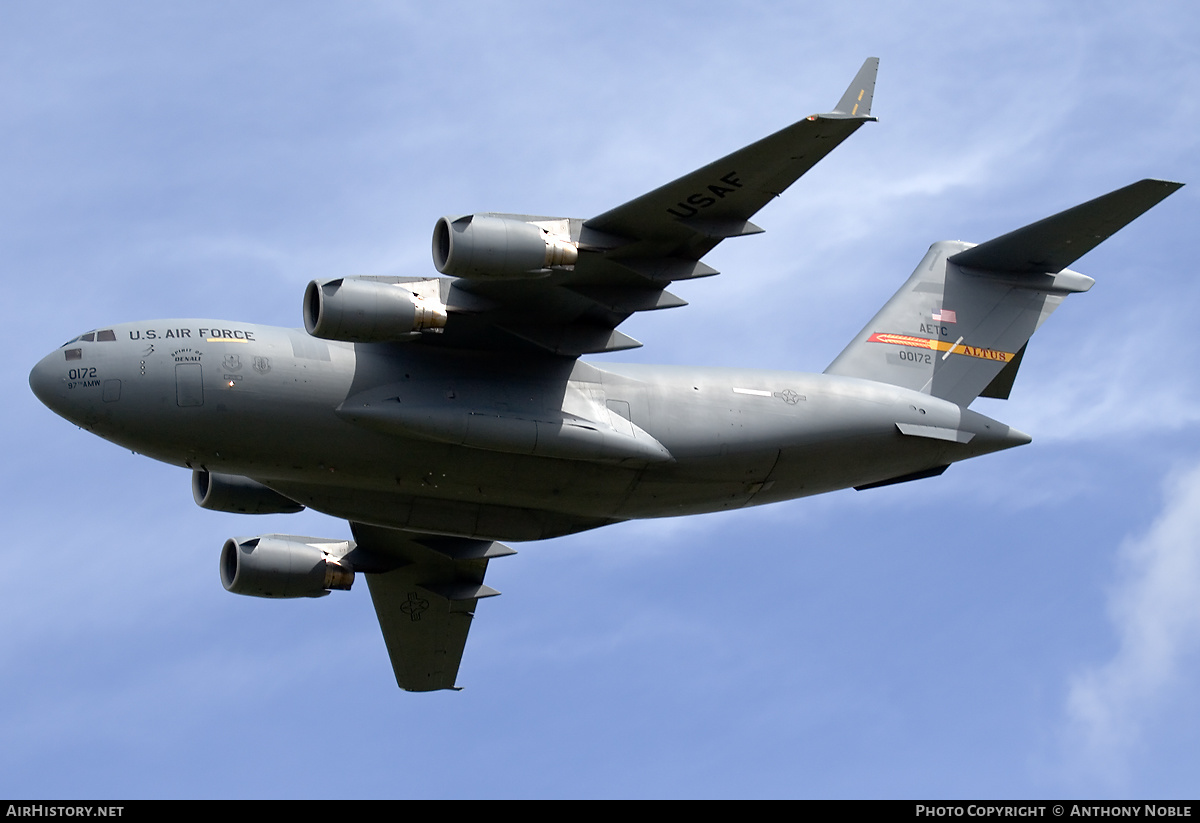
x=442, y=415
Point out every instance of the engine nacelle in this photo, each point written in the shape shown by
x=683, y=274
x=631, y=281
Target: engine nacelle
x=367, y=311
x=238, y=495
x=280, y=565
x=482, y=246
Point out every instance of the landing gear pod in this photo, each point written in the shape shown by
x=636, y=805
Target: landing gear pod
x=279, y=565
x=367, y=311
x=481, y=246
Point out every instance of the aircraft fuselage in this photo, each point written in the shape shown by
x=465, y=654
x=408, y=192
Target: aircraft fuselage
x=496, y=446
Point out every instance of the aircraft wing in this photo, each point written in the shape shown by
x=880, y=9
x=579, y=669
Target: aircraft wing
x=686, y=218
x=425, y=590
x=628, y=255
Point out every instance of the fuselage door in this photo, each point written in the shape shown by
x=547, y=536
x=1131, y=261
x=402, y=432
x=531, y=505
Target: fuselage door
x=189, y=384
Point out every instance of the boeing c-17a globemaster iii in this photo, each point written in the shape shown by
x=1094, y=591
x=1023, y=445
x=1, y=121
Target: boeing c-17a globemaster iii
x=442, y=415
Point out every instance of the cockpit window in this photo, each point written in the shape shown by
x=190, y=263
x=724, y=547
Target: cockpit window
x=102, y=336
x=74, y=354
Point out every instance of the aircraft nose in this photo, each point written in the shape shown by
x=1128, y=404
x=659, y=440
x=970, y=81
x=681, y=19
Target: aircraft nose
x=48, y=379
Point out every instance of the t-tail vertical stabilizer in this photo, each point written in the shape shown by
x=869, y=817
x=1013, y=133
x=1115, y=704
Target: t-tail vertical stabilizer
x=958, y=328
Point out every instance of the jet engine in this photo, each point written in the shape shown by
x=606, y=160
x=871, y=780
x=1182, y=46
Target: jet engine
x=484, y=246
x=367, y=311
x=238, y=495
x=281, y=565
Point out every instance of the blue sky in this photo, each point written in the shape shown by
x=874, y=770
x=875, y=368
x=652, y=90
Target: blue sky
x=1025, y=625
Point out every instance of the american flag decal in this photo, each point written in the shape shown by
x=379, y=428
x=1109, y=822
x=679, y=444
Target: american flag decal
x=945, y=316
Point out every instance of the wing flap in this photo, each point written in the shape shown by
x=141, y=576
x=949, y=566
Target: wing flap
x=627, y=300
x=575, y=339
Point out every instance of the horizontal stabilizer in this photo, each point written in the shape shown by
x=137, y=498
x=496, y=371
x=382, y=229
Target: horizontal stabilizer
x=1052, y=244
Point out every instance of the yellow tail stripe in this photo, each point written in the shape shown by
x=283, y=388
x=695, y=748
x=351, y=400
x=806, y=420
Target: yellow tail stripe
x=941, y=345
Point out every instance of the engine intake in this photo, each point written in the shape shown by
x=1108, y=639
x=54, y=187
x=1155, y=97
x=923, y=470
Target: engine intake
x=280, y=565
x=482, y=246
x=367, y=311
x=238, y=495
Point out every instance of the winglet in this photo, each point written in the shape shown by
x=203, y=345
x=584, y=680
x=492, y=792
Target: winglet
x=856, y=102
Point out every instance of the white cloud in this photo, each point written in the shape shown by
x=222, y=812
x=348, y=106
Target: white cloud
x=1157, y=622
x=1099, y=381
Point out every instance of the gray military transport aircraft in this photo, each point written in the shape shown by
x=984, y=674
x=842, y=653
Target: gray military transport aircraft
x=440, y=415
